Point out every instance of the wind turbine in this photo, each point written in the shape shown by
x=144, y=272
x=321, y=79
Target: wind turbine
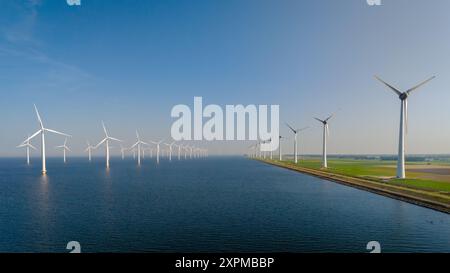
x=185, y=148
x=403, y=96
x=157, y=143
x=325, y=135
x=151, y=152
x=295, y=131
x=64, y=148
x=27, y=145
x=170, y=149
x=179, y=150
x=42, y=132
x=106, y=141
x=122, y=151
x=279, y=148
x=138, y=145
x=89, y=150
x=134, y=152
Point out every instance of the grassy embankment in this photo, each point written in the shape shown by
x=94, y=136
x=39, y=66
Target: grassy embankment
x=421, y=187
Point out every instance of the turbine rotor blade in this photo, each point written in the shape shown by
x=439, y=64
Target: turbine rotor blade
x=328, y=118
x=419, y=85
x=100, y=143
x=292, y=129
x=322, y=121
x=38, y=116
x=104, y=128
x=32, y=136
x=56, y=132
x=134, y=145
x=112, y=138
x=390, y=86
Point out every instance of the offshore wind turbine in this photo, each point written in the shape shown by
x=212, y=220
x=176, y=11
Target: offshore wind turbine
x=185, y=148
x=170, y=149
x=179, y=150
x=89, y=150
x=191, y=149
x=106, y=141
x=157, y=143
x=295, y=131
x=42, y=131
x=27, y=145
x=403, y=96
x=122, y=151
x=64, y=148
x=326, y=132
x=151, y=152
x=138, y=144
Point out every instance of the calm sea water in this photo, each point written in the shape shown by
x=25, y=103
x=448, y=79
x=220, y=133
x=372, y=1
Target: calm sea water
x=203, y=205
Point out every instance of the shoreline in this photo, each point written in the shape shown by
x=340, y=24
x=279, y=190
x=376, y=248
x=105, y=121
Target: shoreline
x=417, y=197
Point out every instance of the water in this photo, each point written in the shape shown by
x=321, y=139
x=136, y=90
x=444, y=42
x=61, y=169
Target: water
x=203, y=205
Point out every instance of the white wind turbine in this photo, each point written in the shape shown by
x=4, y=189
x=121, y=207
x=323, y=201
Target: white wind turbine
x=27, y=145
x=64, y=148
x=150, y=149
x=133, y=150
x=179, y=150
x=191, y=149
x=122, y=151
x=403, y=96
x=89, y=150
x=106, y=141
x=326, y=132
x=138, y=144
x=185, y=148
x=170, y=149
x=157, y=143
x=42, y=133
x=295, y=131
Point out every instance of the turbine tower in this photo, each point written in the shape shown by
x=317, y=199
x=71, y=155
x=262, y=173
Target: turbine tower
x=89, y=150
x=138, y=145
x=157, y=149
x=279, y=148
x=64, y=148
x=106, y=141
x=403, y=96
x=295, y=131
x=170, y=149
x=325, y=135
x=42, y=133
x=122, y=151
x=27, y=145
x=179, y=150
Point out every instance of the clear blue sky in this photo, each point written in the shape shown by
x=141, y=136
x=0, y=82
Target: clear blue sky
x=129, y=62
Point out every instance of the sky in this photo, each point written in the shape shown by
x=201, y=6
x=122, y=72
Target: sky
x=129, y=62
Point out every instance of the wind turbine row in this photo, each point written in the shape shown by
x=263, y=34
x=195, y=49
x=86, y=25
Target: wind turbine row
x=403, y=129
x=138, y=147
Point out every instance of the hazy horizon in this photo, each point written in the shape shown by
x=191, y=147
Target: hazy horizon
x=129, y=63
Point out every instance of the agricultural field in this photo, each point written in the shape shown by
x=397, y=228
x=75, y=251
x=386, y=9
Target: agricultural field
x=424, y=175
